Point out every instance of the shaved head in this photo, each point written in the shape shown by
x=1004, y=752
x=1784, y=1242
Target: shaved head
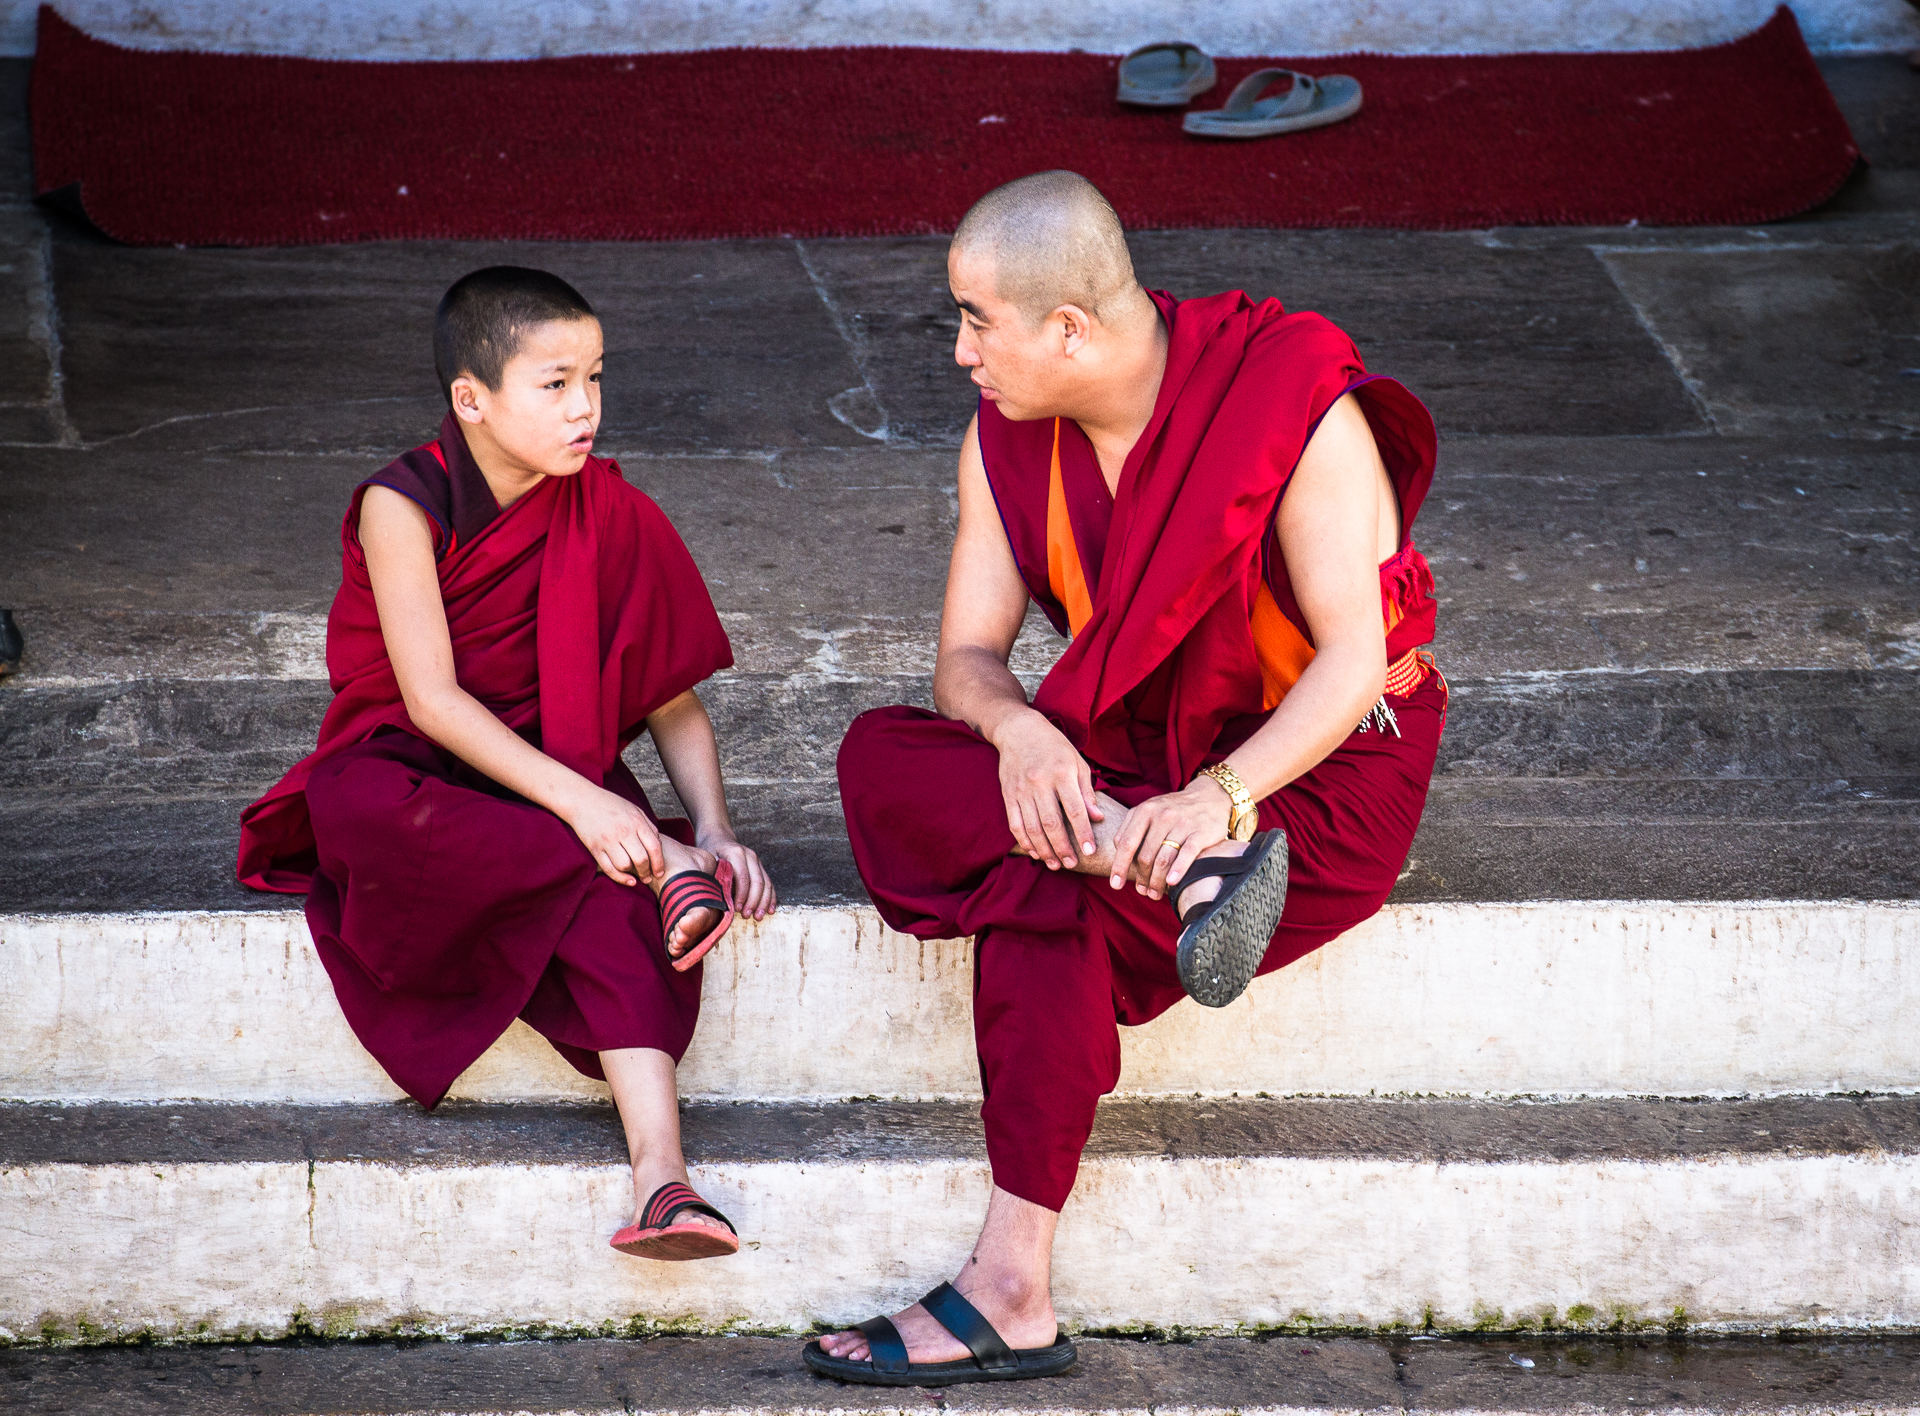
x=1050, y=240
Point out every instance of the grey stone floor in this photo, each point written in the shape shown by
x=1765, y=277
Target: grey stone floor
x=1673, y=528
x=1408, y=1373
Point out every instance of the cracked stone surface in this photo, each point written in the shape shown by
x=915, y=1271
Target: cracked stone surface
x=1673, y=527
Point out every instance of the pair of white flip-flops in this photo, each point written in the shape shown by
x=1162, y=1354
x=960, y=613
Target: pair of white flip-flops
x=1173, y=73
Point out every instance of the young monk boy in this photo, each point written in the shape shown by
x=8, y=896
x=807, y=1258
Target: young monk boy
x=511, y=615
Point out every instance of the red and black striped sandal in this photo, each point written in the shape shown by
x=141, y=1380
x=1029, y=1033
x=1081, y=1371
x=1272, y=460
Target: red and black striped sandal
x=696, y=890
x=656, y=1236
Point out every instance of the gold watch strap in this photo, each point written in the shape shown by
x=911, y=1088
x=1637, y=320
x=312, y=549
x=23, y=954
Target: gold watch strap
x=1240, y=820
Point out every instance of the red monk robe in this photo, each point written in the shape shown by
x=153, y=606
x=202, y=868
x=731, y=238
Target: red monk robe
x=1185, y=636
x=442, y=904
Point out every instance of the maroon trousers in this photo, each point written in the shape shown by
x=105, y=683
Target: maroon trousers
x=444, y=906
x=1061, y=958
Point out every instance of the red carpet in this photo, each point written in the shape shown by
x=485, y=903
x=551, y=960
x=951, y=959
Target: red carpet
x=208, y=149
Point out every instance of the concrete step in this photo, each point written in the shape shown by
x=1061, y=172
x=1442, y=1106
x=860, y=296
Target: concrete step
x=217, y=1222
x=1714, y=784
x=822, y=1003
x=1406, y=1372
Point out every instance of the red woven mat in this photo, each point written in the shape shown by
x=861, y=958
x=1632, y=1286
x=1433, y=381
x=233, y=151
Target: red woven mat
x=210, y=149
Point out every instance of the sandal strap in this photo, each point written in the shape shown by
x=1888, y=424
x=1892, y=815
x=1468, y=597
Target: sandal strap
x=1247, y=92
x=1227, y=869
x=884, y=1346
x=689, y=890
x=670, y=1199
x=963, y=1320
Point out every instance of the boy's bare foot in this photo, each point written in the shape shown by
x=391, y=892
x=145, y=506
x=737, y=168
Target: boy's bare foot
x=692, y=926
x=1021, y=1312
x=650, y=1176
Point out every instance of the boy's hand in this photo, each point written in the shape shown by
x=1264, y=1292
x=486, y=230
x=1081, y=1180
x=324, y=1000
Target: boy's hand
x=753, y=893
x=623, y=843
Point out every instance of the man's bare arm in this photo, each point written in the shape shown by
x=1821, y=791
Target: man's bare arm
x=1332, y=522
x=406, y=590
x=1046, y=785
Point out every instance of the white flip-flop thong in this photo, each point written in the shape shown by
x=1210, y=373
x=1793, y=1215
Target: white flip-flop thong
x=1309, y=103
x=1165, y=75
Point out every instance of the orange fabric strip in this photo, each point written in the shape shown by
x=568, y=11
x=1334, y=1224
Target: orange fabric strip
x=1065, y=577
x=1281, y=648
x=1283, y=651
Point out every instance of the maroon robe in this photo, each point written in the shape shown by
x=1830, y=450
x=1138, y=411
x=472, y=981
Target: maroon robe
x=1162, y=679
x=442, y=904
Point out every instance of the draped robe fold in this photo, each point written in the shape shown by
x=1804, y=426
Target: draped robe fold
x=442, y=904
x=1174, y=580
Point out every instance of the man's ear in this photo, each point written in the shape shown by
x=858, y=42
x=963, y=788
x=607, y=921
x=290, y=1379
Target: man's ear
x=468, y=399
x=1076, y=328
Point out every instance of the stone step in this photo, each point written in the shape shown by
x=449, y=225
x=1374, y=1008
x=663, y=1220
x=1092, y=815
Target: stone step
x=1208, y=1377
x=243, y=1222
x=1736, y=784
x=825, y=1003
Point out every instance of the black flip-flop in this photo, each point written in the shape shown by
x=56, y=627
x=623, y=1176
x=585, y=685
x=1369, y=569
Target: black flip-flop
x=992, y=1360
x=1222, y=940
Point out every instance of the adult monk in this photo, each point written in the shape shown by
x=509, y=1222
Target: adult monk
x=1212, y=497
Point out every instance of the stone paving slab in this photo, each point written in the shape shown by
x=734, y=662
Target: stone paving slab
x=1549, y=554
x=761, y=1374
x=711, y=345
x=1439, y=1132
x=1797, y=338
x=1482, y=840
x=1803, y=727
x=1489, y=334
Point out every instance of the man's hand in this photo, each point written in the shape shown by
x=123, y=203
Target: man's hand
x=1048, y=790
x=1162, y=835
x=622, y=842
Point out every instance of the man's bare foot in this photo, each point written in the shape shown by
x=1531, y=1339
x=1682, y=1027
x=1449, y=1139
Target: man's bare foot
x=1208, y=887
x=650, y=1176
x=694, y=924
x=1107, y=831
x=1104, y=834
x=1020, y=1312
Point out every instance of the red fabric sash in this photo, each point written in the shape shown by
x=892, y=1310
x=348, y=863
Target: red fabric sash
x=1188, y=547
x=574, y=614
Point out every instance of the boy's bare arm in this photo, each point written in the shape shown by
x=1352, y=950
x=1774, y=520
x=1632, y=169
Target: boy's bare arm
x=406, y=589
x=683, y=734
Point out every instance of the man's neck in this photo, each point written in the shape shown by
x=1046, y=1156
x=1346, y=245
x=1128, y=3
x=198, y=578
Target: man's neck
x=1118, y=401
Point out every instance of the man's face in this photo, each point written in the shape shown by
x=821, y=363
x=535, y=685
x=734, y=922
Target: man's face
x=547, y=409
x=1014, y=364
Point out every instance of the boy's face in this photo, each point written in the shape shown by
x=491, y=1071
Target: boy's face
x=544, y=415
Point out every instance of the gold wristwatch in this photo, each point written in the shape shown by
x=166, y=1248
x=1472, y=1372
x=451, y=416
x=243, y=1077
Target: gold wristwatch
x=1245, y=814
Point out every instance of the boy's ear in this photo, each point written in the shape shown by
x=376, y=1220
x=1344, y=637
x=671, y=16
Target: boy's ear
x=468, y=399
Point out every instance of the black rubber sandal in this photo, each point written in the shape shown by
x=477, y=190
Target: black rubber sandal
x=1222, y=940
x=992, y=1360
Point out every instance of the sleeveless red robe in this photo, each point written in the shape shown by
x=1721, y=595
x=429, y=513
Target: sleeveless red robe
x=442, y=904
x=1166, y=672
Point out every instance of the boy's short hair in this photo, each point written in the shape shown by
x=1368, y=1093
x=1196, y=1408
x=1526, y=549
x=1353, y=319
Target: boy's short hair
x=484, y=315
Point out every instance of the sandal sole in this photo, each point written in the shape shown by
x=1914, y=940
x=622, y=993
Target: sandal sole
x=678, y=1244
x=1220, y=954
x=1035, y=1363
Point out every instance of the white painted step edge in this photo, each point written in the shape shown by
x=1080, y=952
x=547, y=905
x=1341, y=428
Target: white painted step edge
x=1488, y=1000
x=207, y=1251
x=519, y=29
